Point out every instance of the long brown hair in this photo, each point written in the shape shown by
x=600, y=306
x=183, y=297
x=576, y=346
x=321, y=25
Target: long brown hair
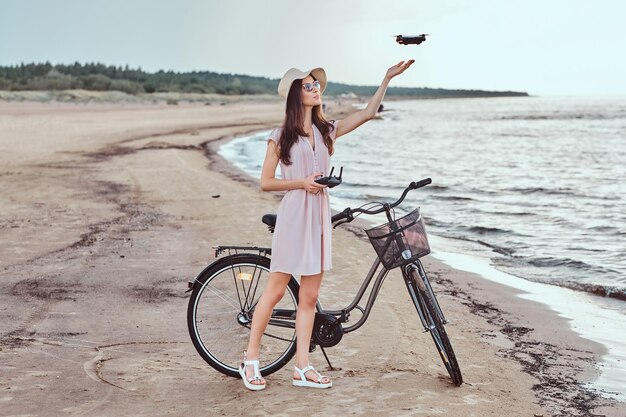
x=294, y=121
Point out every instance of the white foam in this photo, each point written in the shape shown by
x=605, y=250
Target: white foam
x=598, y=319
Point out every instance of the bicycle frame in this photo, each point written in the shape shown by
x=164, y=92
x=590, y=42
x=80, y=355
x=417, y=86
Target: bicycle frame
x=286, y=318
x=344, y=313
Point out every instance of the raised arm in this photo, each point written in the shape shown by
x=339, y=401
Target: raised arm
x=351, y=122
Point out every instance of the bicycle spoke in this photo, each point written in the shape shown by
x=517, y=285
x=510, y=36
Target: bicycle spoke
x=230, y=346
x=249, y=293
x=257, y=283
x=248, y=300
x=272, y=336
x=243, y=288
x=237, y=287
x=254, y=305
x=217, y=292
x=227, y=312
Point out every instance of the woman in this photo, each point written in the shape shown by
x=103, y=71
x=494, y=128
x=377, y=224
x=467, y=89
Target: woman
x=301, y=244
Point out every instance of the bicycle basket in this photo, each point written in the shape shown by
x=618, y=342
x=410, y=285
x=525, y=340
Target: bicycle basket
x=411, y=230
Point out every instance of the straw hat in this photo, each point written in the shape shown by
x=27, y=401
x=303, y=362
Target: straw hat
x=295, y=74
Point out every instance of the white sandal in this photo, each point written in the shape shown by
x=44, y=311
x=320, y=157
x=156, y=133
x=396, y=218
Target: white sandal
x=256, y=377
x=305, y=382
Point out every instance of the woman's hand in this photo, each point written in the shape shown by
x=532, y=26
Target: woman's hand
x=310, y=185
x=356, y=119
x=398, y=69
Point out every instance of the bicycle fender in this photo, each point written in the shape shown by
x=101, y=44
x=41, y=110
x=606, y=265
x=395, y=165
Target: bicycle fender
x=191, y=285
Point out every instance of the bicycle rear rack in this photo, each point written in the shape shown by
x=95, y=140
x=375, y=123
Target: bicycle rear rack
x=235, y=250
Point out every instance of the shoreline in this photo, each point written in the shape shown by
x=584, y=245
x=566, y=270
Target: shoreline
x=128, y=212
x=94, y=97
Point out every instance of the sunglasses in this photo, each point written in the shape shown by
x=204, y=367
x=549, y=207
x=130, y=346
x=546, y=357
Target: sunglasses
x=308, y=87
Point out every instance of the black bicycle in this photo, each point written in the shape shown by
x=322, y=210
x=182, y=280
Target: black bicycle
x=225, y=293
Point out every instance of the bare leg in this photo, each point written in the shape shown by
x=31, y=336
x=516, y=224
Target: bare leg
x=272, y=294
x=309, y=292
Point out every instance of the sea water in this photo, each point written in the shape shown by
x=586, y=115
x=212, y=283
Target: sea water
x=532, y=186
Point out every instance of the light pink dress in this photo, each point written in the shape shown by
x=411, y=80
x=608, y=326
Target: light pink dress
x=301, y=244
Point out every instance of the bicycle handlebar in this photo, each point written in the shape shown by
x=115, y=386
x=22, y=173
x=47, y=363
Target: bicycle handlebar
x=347, y=214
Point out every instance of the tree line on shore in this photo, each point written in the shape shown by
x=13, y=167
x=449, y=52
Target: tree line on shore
x=101, y=77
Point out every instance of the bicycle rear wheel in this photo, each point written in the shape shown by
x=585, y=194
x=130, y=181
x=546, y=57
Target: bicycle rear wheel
x=220, y=310
x=424, y=300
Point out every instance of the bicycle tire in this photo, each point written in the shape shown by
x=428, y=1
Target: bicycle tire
x=228, y=365
x=436, y=327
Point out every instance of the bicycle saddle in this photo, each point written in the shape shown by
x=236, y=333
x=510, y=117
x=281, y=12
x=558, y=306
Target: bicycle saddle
x=269, y=219
x=330, y=181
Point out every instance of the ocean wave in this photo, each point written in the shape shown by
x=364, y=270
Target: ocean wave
x=453, y=198
x=607, y=229
x=610, y=291
x=502, y=250
x=370, y=185
x=508, y=213
x=489, y=210
x=535, y=190
x=560, y=263
x=485, y=191
x=564, y=116
x=566, y=191
x=432, y=222
x=482, y=230
x=436, y=188
x=517, y=135
x=374, y=197
x=556, y=262
x=461, y=231
x=584, y=249
x=496, y=248
x=512, y=265
x=597, y=289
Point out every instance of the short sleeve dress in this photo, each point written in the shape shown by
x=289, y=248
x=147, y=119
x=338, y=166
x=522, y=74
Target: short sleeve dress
x=302, y=240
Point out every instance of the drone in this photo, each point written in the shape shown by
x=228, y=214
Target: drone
x=411, y=40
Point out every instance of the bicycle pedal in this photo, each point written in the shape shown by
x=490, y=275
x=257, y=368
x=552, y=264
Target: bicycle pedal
x=312, y=347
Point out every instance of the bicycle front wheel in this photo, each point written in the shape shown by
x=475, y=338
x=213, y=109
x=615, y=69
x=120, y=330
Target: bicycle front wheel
x=424, y=300
x=220, y=311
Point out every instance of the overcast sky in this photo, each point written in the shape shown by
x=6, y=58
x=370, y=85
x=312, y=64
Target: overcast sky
x=544, y=47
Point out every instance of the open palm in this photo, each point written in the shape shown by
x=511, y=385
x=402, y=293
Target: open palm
x=399, y=68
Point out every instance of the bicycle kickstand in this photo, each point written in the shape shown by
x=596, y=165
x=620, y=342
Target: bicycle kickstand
x=327, y=360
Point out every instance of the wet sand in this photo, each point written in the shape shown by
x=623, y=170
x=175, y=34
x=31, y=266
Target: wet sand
x=108, y=210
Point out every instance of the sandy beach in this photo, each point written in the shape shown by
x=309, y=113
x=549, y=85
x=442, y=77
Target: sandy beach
x=108, y=210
